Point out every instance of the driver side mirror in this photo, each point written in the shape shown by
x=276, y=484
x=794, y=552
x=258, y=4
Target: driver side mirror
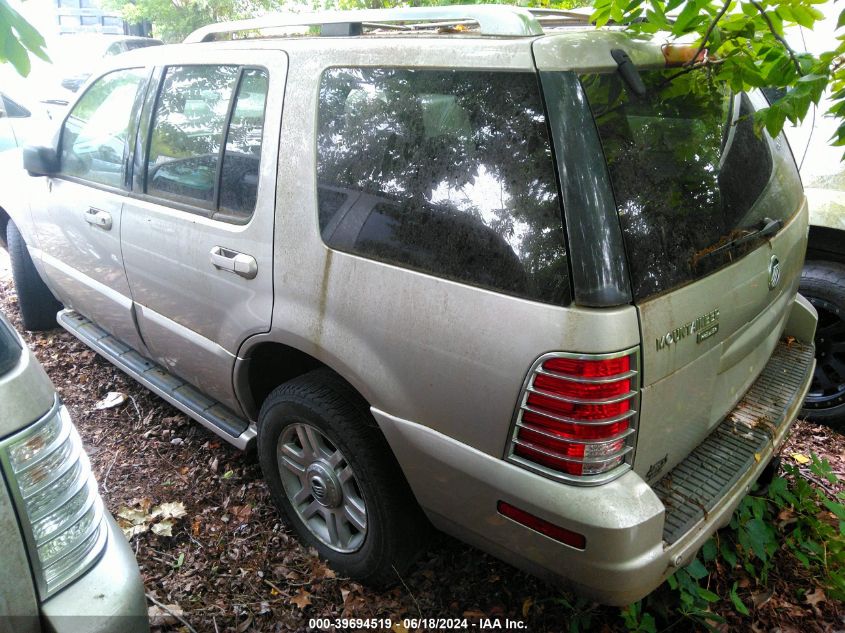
x=40, y=160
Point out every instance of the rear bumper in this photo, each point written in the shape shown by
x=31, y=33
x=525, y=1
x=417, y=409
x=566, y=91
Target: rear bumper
x=626, y=554
x=108, y=597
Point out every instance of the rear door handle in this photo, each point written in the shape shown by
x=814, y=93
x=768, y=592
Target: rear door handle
x=238, y=263
x=98, y=218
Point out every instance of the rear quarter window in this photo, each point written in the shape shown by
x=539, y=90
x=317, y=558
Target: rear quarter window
x=446, y=172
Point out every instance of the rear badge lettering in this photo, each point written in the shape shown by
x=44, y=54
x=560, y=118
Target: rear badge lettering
x=703, y=327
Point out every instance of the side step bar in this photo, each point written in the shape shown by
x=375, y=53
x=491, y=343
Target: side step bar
x=210, y=413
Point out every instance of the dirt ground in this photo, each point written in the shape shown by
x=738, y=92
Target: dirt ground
x=230, y=565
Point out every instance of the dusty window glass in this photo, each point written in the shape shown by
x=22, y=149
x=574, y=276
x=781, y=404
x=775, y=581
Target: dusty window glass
x=687, y=171
x=94, y=137
x=446, y=172
x=187, y=135
x=242, y=156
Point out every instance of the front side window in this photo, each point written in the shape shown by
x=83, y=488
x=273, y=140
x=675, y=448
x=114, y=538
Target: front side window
x=94, y=137
x=205, y=148
x=446, y=172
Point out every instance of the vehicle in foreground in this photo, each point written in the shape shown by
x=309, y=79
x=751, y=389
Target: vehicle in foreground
x=463, y=264
x=66, y=565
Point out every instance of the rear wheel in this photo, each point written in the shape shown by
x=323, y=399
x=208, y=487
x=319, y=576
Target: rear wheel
x=37, y=304
x=333, y=477
x=823, y=284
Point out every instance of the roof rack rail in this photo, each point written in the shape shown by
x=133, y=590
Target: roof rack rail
x=492, y=19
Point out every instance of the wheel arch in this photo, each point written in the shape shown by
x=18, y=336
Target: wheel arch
x=266, y=361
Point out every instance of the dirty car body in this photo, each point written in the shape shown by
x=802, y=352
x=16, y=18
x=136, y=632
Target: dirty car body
x=563, y=315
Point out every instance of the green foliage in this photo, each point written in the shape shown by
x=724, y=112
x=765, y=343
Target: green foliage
x=797, y=518
x=18, y=39
x=746, y=48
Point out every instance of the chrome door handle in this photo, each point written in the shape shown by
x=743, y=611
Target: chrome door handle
x=238, y=263
x=99, y=218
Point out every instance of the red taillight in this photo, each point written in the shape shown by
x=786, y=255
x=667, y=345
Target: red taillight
x=542, y=526
x=577, y=414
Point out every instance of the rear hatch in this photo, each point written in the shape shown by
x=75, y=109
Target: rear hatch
x=714, y=227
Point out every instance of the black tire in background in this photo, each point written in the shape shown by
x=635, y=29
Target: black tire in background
x=349, y=441
x=37, y=304
x=823, y=284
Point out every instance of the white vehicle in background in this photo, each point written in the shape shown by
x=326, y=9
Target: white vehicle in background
x=823, y=278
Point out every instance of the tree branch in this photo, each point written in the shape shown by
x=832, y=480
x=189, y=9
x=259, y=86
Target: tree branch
x=779, y=38
x=709, y=32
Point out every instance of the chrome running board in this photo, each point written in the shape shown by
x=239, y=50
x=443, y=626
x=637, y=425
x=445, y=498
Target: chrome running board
x=189, y=400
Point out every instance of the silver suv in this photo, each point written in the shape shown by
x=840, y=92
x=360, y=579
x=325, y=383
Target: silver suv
x=66, y=564
x=479, y=265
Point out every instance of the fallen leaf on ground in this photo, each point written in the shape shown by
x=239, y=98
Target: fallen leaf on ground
x=170, y=510
x=112, y=399
x=800, y=458
x=302, y=599
x=164, y=528
x=814, y=598
x=164, y=616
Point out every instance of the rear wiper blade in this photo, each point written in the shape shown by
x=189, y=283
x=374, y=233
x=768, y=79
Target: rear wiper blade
x=770, y=227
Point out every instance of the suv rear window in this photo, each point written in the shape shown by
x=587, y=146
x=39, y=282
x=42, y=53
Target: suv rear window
x=686, y=168
x=447, y=172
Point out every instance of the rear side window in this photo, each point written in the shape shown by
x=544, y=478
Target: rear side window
x=188, y=130
x=205, y=147
x=446, y=172
x=687, y=171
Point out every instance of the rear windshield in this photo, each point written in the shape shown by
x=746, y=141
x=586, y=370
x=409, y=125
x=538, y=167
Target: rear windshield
x=686, y=168
x=446, y=172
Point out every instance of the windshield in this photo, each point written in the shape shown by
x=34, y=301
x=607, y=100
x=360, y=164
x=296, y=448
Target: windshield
x=687, y=170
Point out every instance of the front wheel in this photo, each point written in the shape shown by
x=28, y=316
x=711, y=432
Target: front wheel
x=37, y=304
x=332, y=475
x=823, y=284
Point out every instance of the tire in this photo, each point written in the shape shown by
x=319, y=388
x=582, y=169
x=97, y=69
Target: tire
x=823, y=284
x=37, y=304
x=351, y=468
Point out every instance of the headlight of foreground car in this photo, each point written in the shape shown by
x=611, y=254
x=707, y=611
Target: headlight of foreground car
x=56, y=498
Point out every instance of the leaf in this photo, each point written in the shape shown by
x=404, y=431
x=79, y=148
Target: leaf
x=814, y=598
x=526, y=606
x=302, y=599
x=697, y=570
x=228, y=474
x=133, y=516
x=170, y=510
x=800, y=458
x=163, y=528
x=708, y=595
x=737, y=601
x=709, y=551
x=113, y=399
x=132, y=530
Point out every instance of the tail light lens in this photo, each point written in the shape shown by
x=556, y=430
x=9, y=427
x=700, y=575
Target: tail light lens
x=56, y=497
x=576, y=419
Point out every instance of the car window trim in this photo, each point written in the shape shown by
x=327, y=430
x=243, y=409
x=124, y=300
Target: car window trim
x=135, y=121
x=126, y=150
x=225, y=212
